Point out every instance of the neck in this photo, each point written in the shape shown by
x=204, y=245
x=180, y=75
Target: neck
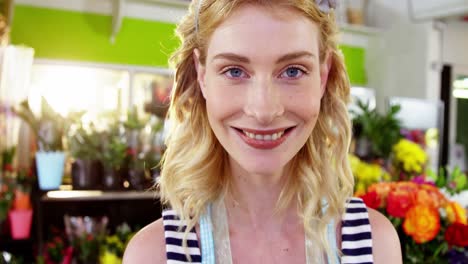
x=252, y=198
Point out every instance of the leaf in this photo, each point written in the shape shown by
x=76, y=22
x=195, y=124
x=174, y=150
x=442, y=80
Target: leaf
x=431, y=175
x=441, y=181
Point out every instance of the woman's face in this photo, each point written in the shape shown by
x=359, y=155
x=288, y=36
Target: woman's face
x=263, y=82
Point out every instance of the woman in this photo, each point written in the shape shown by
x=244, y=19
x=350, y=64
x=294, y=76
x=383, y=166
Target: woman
x=256, y=167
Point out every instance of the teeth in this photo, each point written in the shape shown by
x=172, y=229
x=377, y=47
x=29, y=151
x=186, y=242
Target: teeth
x=270, y=137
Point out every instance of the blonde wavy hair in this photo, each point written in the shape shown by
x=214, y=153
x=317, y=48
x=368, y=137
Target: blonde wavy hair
x=195, y=168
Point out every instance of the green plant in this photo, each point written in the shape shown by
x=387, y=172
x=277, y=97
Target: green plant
x=116, y=243
x=49, y=127
x=383, y=131
x=134, y=122
x=113, y=146
x=453, y=181
x=84, y=142
x=87, y=247
x=6, y=159
x=6, y=197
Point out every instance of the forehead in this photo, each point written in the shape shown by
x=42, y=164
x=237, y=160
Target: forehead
x=253, y=30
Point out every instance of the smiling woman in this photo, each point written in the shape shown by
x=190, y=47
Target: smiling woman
x=256, y=167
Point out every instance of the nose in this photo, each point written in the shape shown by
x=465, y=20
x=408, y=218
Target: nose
x=264, y=101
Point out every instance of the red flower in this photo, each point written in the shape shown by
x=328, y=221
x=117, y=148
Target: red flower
x=8, y=167
x=131, y=151
x=457, y=235
x=371, y=199
x=398, y=203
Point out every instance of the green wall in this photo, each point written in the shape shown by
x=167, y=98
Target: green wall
x=355, y=58
x=70, y=35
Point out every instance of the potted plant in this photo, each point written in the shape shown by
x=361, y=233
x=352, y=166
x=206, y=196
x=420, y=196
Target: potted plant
x=136, y=170
x=375, y=133
x=21, y=212
x=112, y=155
x=84, y=143
x=48, y=129
x=135, y=164
x=133, y=126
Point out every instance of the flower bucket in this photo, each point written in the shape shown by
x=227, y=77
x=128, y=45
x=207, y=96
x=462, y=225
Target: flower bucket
x=86, y=174
x=50, y=166
x=20, y=223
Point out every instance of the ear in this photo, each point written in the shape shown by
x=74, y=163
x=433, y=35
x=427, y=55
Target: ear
x=201, y=70
x=324, y=71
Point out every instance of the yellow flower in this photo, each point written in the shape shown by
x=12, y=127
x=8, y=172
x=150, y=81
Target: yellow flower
x=360, y=189
x=456, y=213
x=410, y=156
x=110, y=258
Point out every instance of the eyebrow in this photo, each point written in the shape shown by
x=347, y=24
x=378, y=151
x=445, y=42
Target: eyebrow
x=243, y=59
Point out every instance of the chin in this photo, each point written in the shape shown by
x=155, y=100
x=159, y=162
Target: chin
x=261, y=167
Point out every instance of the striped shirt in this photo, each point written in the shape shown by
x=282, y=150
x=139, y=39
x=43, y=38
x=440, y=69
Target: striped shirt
x=356, y=244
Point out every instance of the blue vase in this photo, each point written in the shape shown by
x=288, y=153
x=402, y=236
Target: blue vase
x=50, y=166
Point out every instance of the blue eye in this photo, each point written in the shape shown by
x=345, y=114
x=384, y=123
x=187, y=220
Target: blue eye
x=235, y=73
x=292, y=72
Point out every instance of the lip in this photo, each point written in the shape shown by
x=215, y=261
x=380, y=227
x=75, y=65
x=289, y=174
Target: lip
x=264, y=144
x=264, y=132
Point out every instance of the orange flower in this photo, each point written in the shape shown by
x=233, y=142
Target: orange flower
x=422, y=223
x=382, y=189
x=456, y=213
x=22, y=201
x=407, y=186
x=431, y=196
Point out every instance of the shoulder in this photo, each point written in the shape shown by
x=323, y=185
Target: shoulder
x=386, y=244
x=147, y=246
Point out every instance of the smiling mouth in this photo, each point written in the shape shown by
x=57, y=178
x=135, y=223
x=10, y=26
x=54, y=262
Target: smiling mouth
x=265, y=136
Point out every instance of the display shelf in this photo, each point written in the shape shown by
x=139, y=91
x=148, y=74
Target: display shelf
x=94, y=195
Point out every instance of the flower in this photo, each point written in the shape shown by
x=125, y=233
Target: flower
x=371, y=199
x=422, y=223
x=456, y=213
x=398, y=203
x=430, y=195
x=365, y=174
x=382, y=189
x=457, y=235
x=457, y=256
x=409, y=157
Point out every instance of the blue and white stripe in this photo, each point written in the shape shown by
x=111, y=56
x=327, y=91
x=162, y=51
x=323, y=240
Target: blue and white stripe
x=174, y=232
x=356, y=237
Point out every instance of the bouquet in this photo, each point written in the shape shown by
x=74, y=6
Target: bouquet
x=432, y=229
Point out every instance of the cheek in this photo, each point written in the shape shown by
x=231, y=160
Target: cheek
x=306, y=105
x=222, y=101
